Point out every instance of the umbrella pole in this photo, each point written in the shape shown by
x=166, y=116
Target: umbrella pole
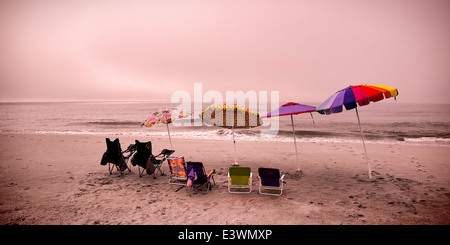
x=364, y=144
x=234, y=144
x=312, y=117
x=170, y=140
x=295, y=143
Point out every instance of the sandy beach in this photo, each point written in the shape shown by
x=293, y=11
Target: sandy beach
x=58, y=180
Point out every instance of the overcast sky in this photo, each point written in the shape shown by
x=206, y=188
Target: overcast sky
x=146, y=50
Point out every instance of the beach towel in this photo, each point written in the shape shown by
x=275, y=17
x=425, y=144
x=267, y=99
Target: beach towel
x=192, y=177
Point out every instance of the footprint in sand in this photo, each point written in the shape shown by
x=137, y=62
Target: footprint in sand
x=356, y=215
x=420, y=170
x=153, y=200
x=81, y=192
x=11, y=184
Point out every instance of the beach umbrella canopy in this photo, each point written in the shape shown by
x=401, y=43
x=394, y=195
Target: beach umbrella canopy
x=290, y=109
x=166, y=116
x=231, y=117
x=353, y=96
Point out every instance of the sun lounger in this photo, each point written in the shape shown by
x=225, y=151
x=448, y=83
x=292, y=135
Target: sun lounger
x=239, y=180
x=270, y=182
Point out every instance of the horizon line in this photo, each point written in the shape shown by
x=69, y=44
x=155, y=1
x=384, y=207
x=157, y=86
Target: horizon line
x=164, y=101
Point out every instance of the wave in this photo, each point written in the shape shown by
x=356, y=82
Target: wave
x=105, y=123
x=309, y=133
x=226, y=135
x=398, y=123
x=428, y=140
x=129, y=128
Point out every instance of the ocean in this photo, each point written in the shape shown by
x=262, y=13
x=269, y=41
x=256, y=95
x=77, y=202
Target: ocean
x=386, y=121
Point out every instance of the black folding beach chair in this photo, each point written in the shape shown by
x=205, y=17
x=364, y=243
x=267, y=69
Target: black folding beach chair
x=141, y=157
x=114, y=155
x=147, y=161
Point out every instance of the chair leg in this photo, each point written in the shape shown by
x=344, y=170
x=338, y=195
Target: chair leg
x=158, y=167
x=264, y=191
x=118, y=169
x=129, y=168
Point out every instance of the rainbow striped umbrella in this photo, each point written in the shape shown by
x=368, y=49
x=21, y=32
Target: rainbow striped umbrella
x=353, y=96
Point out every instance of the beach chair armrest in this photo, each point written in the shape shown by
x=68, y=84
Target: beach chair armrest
x=166, y=153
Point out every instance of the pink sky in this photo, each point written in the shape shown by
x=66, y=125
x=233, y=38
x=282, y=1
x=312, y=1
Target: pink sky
x=146, y=50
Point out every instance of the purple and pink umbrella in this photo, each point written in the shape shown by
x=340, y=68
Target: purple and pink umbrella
x=290, y=109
